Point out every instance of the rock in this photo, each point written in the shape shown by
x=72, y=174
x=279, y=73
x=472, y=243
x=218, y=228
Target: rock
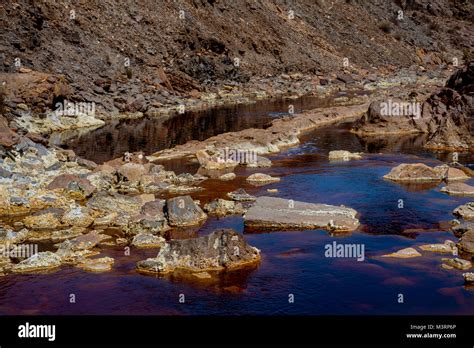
x=241, y=195
x=221, y=250
x=182, y=211
x=214, y=160
x=413, y=172
x=342, y=155
x=86, y=163
x=42, y=220
x=462, y=228
x=457, y=263
x=102, y=180
x=455, y=174
x=227, y=177
x=151, y=219
x=458, y=189
x=468, y=277
x=382, y=117
x=116, y=203
x=278, y=213
x=38, y=262
x=78, y=216
x=8, y=138
x=107, y=220
x=261, y=179
x=261, y=162
x=147, y=240
x=466, y=243
x=448, y=247
x=465, y=211
x=449, y=112
x=78, y=188
x=97, y=265
x=404, y=253
x=62, y=235
x=222, y=207
x=131, y=172
x=8, y=236
x=83, y=242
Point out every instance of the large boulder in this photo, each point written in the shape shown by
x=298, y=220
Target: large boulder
x=466, y=211
x=451, y=112
x=446, y=117
x=151, y=219
x=413, y=172
x=382, y=117
x=466, y=243
x=278, y=213
x=221, y=250
x=182, y=211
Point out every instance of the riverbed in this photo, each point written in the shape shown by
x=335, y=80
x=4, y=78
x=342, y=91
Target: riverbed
x=293, y=265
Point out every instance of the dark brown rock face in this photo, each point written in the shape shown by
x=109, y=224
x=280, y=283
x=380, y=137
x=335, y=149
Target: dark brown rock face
x=452, y=112
x=447, y=117
x=382, y=117
x=221, y=250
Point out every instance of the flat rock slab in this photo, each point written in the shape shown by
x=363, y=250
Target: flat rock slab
x=458, y=189
x=278, y=213
x=406, y=253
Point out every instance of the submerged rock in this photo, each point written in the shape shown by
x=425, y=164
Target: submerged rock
x=38, y=262
x=148, y=240
x=342, y=155
x=222, y=207
x=278, y=213
x=103, y=264
x=404, y=253
x=182, y=211
x=458, y=189
x=227, y=177
x=241, y=195
x=448, y=247
x=259, y=179
x=261, y=162
x=219, y=251
x=457, y=263
x=466, y=211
